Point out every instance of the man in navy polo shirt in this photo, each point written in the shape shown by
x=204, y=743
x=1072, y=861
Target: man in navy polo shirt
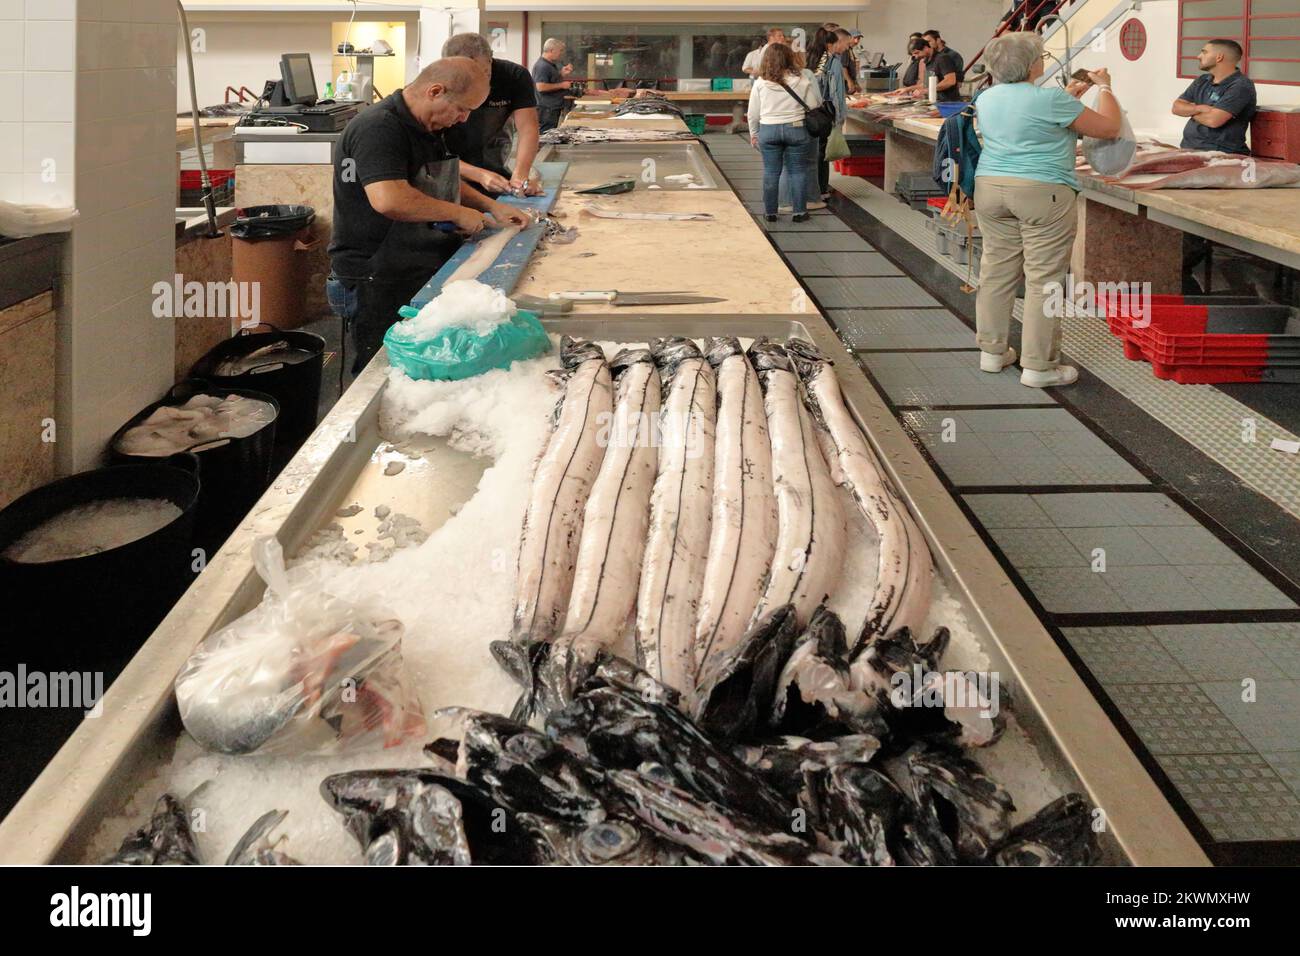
x=1220, y=103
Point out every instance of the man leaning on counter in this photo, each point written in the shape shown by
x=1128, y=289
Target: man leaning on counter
x=483, y=141
x=401, y=209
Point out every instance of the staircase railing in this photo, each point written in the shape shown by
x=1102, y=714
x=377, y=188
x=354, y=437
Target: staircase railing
x=1024, y=9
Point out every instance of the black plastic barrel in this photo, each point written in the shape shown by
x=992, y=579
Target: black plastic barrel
x=271, y=222
x=92, y=613
x=295, y=386
x=234, y=472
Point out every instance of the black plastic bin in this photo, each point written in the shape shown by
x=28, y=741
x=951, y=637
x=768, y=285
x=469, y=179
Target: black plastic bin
x=271, y=222
x=92, y=613
x=295, y=386
x=234, y=472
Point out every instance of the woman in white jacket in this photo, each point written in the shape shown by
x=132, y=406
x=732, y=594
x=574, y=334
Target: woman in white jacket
x=776, y=127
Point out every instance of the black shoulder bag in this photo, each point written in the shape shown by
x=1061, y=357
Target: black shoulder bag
x=818, y=122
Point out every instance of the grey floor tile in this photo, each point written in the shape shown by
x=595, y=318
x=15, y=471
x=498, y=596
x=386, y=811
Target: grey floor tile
x=1177, y=719
x=869, y=329
x=1111, y=509
x=1287, y=766
x=1032, y=470
x=1281, y=642
x=976, y=470
x=1125, y=655
x=1007, y=511
x=1037, y=548
x=1072, y=591
x=1189, y=545
x=822, y=242
x=943, y=378
x=1122, y=547
x=1238, y=797
x=1271, y=721
x=1157, y=588
x=859, y=264
x=1234, y=587
x=1108, y=469
x=1216, y=652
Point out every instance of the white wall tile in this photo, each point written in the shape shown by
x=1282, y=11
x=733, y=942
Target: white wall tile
x=12, y=50
x=11, y=187
x=11, y=96
x=48, y=146
x=58, y=190
x=11, y=10
x=51, y=45
x=11, y=147
x=53, y=9
x=49, y=97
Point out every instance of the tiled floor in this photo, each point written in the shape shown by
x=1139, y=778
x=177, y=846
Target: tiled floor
x=1031, y=446
x=1217, y=704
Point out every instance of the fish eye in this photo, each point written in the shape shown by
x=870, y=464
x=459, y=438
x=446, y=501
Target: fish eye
x=608, y=841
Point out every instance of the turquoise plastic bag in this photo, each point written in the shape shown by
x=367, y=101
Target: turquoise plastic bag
x=458, y=353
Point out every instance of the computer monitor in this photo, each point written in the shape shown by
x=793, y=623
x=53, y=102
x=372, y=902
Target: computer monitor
x=299, y=79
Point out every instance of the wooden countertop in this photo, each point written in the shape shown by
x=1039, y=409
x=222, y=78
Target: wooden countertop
x=729, y=257
x=211, y=129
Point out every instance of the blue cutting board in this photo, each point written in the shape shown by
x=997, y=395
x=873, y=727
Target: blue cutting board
x=503, y=274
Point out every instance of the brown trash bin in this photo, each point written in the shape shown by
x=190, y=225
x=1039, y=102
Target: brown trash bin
x=269, y=246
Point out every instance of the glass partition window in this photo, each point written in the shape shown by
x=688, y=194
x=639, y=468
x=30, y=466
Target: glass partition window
x=659, y=54
x=1268, y=30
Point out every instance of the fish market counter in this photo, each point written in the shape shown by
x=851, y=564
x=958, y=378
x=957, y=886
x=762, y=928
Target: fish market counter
x=1127, y=234
x=356, y=465
x=108, y=773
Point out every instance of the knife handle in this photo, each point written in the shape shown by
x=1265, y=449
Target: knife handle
x=588, y=296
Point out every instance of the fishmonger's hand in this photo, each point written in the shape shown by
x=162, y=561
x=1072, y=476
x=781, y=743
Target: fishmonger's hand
x=511, y=215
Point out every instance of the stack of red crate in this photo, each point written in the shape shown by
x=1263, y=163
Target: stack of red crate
x=1210, y=340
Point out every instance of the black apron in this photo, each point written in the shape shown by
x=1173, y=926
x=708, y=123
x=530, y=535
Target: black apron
x=394, y=277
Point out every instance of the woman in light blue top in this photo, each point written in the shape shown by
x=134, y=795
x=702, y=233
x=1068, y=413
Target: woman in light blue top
x=1025, y=191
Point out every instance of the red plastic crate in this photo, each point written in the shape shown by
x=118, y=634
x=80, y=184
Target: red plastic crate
x=937, y=202
x=193, y=178
x=861, y=166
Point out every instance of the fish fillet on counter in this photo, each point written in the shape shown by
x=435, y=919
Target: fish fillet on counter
x=677, y=546
x=901, y=597
x=562, y=483
x=744, y=524
x=617, y=515
x=811, y=534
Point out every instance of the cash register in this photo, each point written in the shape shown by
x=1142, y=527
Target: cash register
x=291, y=100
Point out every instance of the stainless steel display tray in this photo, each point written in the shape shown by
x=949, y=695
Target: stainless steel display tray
x=589, y=163
x=106, y=760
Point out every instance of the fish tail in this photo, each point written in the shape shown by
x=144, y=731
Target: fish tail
x=522, y=660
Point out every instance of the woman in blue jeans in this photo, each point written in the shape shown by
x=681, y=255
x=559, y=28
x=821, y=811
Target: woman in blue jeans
x=777, y=102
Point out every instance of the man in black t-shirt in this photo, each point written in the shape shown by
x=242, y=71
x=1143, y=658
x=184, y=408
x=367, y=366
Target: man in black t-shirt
x=941, y=64
x=400, y=207
x=912, y=75
x=1220, y=103
x=483, y=141
x=941, y=46
x=552, y=81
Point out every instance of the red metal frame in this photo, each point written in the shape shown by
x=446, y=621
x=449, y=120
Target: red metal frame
x=1234, y=27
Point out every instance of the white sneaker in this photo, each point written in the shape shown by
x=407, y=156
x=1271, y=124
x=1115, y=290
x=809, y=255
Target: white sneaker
x=785, y=208
x=1061, y=375
x=996, y=363
x=816, y=205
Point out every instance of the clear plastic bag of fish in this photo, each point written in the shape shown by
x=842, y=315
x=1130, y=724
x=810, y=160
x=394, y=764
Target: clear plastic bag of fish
x=305, y=672
x=1109, y=157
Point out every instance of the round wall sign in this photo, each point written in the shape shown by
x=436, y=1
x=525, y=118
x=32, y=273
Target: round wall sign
x=1133, y=39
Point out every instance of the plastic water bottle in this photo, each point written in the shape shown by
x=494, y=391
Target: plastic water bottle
x=344, y=89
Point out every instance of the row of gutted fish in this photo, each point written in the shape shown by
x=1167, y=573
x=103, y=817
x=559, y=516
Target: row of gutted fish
x=682, y=496
x=620, y=775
